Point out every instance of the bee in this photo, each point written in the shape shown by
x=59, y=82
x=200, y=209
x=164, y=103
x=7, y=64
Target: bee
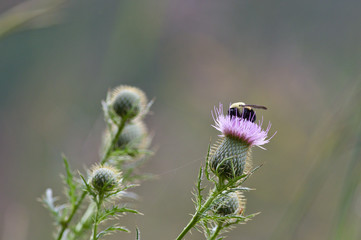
x=245, y=111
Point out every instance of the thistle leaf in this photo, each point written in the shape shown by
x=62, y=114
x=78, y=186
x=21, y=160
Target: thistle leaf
x=88, y=188
x=48, y=200
x=199, y=188
x=243, y=189
x=70, y=182
x=111, y=230
x=114, y=211
x=138, y=234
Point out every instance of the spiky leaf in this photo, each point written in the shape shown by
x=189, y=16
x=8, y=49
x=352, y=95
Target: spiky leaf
x=199, y=188
x=49, y=202
x=69, y=179
x=114, y=211
x=111, y=230
x=88, y=188
x=138, y=234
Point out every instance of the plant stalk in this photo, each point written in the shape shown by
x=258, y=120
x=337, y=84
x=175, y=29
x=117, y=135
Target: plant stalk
x=95, y=229
x=114, y=140
x=199, y=213
x=64, y=225
x=216, y=232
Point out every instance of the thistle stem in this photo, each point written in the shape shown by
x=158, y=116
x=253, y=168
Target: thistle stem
x=216, y=232
x=65, y=224
x=106, y=156
x=189, y=226
x=218, y=189
x=84, y=220
x=199, y=213
x=114, y=140
x=95, y=229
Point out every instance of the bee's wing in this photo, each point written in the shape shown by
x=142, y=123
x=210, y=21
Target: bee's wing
x=255, y=106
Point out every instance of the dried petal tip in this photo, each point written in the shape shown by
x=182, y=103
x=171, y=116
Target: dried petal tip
x=104, y=179
x=128, y=101
x=242, y=129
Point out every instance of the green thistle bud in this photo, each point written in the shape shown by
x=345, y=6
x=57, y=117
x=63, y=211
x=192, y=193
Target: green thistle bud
x=128, y=101
x=133, y=135
x=104, y=179
x=231, y=203
x=229, y=158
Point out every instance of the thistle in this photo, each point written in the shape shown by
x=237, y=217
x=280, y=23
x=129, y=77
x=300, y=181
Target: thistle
x=230, y=162
x=128, y=101
x=231, y=203
x=105, y=179
x=123, y=108
x=132, y=136
x=230, y=158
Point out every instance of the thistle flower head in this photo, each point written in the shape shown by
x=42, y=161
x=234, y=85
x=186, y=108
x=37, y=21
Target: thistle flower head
x=128, y=101
x=231, y=156
x=230, y=203
x=249, y=132
x=105, y=179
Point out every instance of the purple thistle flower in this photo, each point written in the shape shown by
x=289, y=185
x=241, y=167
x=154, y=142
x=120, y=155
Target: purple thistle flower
x=243, y=129
x=230, y=157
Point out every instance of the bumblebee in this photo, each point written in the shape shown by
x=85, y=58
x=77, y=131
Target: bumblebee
x=245, y=111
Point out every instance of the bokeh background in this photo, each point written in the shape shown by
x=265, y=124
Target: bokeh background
x=301, y=59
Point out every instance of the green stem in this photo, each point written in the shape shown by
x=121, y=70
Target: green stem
x=105, y=158
x=84, y=220
x=218, y=189
x=114, y=140
x=198, y=215
x=216, y=232
x=189, y=226
x=65, y=224
x=95, y=229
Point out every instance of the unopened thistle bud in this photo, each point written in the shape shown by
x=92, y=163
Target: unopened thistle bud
x=128, y=101
x=231, y=156
x=229, y=204
x=133, y=135
x=104, y=179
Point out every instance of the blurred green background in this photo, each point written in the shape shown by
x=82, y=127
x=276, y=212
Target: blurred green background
x=301, y=59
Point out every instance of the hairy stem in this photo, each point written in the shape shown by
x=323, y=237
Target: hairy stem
x=190, y=225
x=65, y=224
x=84, y=220
x=198, y=215
x=114, y=141
x=95, y=228
x=216, y=231
x=106, y=156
